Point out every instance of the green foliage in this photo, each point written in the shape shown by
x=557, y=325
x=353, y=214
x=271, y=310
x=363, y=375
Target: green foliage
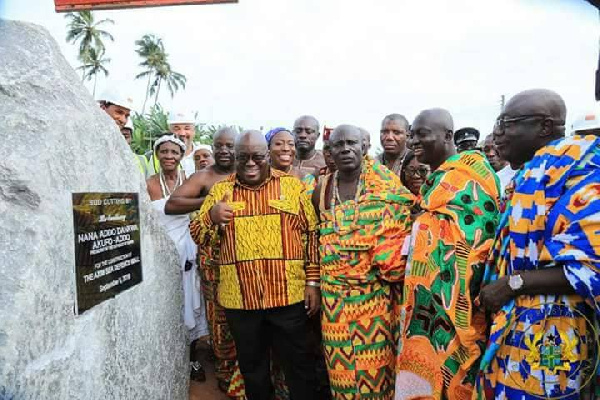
x=93, y=64
x=83, y=28
x=147, y=128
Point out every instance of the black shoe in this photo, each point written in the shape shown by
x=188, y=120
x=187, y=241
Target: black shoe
x=223, y=385
x=197, y=372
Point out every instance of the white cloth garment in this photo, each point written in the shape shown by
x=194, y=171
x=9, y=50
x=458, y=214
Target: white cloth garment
x=505, y=175
x=188, y=164
x=194, y=312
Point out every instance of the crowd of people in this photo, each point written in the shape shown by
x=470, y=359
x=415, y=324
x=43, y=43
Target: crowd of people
x=441, y=269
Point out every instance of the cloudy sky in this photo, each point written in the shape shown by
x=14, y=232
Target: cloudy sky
x=264, y=62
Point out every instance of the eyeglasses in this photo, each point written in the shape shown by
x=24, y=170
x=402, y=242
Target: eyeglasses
x=244, y=158
x=309, y=131
x=419, y=172
x=503, y=122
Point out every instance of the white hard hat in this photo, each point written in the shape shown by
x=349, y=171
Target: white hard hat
x=113, y=95
x=181, y=118
x=587, y=122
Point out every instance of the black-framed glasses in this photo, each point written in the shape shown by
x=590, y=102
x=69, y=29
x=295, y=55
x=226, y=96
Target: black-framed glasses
x=503, y=122
x=244, y=158
x=417, y=172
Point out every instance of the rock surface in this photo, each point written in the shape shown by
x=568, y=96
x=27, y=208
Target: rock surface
x=54, y=141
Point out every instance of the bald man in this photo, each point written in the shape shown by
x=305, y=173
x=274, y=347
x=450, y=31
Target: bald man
x=306, y=133
x=543, y=280
x=362, y=267
x=186, y=199
x=440, y=349
x=269, y=268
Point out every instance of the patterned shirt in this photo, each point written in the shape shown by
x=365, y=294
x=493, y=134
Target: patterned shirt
x=270, y=249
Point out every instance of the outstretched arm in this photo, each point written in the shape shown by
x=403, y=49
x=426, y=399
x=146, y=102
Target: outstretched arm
x=188, y=197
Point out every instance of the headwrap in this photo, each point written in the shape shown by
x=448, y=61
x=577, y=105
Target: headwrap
x=274, y=132
x=203, y=147
x=169, y=138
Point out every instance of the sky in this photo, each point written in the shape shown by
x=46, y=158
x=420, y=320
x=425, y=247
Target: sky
x=262, y=63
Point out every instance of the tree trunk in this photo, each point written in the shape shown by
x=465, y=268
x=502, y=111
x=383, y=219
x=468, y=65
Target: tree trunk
x=94, y=91
x=147, y=90
x=157, y=92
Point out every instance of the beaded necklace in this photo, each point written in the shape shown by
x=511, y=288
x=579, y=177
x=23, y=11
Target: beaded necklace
x=335, y=198
x=163, y=183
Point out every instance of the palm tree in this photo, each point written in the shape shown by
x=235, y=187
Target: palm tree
x=83, y=28
x=93, y=64
x=152, y=51
x=173, y=80
x=157, y=68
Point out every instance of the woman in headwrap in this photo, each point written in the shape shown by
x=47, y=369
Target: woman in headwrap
x=282, y=151
x=169, y=151
x=203, y=157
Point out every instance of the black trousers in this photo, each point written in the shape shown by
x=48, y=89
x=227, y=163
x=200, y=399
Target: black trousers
x=285, y=331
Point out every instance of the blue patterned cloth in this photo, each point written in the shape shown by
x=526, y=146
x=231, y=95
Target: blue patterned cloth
x=545, y=346
x=274, y=132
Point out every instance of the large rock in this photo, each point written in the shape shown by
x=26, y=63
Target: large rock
x=54, y=141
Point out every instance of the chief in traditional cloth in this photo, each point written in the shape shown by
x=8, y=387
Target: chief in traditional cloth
x=543, y=276
x=365, y=218
x=443, y=333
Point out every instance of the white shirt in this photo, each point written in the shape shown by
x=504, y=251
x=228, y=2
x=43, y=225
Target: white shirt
x=188, y=164
x=505, y=175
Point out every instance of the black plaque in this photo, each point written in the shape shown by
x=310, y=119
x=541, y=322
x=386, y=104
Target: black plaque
x=107, y=246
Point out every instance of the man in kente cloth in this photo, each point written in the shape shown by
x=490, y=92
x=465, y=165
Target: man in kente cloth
x=365, y=219
x=543, y=275
x=443, y=333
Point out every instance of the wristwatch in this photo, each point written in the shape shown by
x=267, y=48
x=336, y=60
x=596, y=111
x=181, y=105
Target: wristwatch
x=515, y=282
